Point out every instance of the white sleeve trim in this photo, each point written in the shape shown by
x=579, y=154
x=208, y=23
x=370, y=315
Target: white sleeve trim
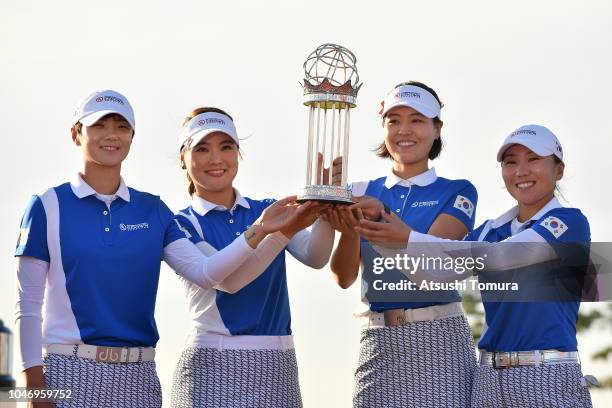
x=256, y=264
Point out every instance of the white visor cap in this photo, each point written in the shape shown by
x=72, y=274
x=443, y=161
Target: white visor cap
x=102, y=103
x=412, y=96
x=536, y=138
x=203, y=125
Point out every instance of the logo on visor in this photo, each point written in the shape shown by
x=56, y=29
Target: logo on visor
x=523, y=132
x=211, y=121
x=107, y=98
x=407, y=94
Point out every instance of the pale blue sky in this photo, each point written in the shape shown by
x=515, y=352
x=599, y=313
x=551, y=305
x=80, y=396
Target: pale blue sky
x=495, y=66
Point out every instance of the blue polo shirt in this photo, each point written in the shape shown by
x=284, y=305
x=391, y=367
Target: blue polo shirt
x=524, y=326
x=104, y=263
x=261, y=308
x=418, y=202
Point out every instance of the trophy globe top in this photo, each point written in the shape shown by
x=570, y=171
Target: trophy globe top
x=331, y=79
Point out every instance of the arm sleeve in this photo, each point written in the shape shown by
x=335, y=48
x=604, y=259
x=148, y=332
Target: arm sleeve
x=313, y=248
x=31, y=277
x=206, y=271
x=255, y=265
x=33, y=232
x=514, y=252
x=463, y=206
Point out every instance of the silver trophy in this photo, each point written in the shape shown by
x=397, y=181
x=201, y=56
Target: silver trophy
x=331, y=84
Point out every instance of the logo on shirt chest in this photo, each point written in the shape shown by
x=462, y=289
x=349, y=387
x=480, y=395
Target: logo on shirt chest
x=418, y=204
x=134, y=227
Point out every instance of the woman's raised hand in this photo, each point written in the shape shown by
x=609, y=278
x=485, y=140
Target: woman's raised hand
x=289, y=217
x=279, y=214
x=342, y=219
x=391, y=233
x=370, y=207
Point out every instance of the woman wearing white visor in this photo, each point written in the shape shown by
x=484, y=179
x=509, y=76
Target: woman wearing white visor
x=409, y=344
x=240, y=352
x=528, y=353
x=90, y=251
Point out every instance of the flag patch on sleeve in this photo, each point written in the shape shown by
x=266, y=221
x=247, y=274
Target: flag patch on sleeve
x=554, y=225
x=464, y=204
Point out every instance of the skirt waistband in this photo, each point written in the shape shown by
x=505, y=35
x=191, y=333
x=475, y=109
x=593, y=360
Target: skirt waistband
x=223, y=342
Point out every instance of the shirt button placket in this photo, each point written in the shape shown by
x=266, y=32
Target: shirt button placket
x=231, y=221
x=106, y=221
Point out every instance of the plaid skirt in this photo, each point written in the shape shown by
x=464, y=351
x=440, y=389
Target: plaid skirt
x=421, y=364
x=230, y=378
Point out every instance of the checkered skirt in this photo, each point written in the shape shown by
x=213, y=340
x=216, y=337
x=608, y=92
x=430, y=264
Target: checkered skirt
x=97, y=384
x=420, y=364
x=207, y=377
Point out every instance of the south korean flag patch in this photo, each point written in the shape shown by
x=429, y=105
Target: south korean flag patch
x=464, y=204
x=554, y=225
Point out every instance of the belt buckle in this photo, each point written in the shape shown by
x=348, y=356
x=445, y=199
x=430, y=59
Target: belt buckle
x=501, y=359
x=395, y=317
x=109, y=354
x=507, y=359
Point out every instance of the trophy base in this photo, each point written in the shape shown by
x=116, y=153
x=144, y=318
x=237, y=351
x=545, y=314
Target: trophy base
x=327, y=194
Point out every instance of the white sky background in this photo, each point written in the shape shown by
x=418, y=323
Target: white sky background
x=495, y=66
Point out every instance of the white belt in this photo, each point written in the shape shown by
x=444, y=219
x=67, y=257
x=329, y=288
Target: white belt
x=221, y=342
x=511, y=359
x=104, y=354
x=398, y=317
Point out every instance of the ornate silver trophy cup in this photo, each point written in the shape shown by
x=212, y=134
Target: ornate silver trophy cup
x=330, y=86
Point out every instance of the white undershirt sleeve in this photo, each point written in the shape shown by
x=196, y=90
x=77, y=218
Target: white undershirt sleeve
x=313, y=248
x=31, y=279
x=255, y=265
x=206, y=271
x=517, y=251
